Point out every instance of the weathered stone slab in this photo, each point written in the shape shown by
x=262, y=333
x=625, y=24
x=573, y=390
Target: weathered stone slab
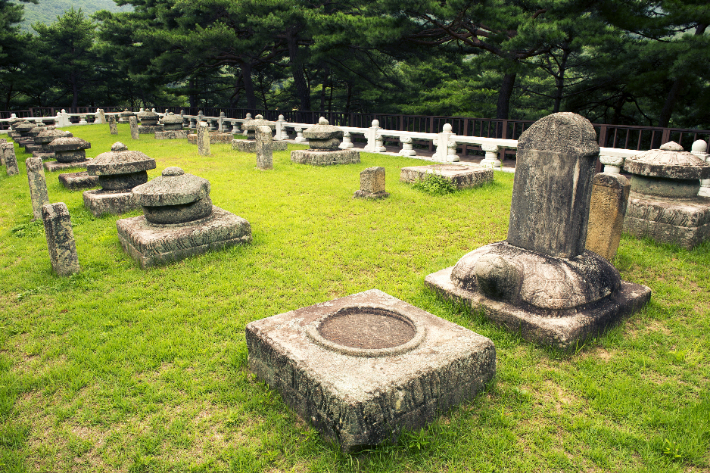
x=100, y=202
x=325, y=158
x=153, y=245
x=171, y=135
x=610, y=196
x=43, y=156
x=10, y=160
x=149, y=129
x=53, y=166
x=38, y=186
x=60, y=239
x=460, y=176
x=363, y=368
x=78, y=180
x=264, y=153
x=372, y=184
x=222, y=138
x=133, y=121
x=31, y=148
x=113, y=128
x=249, y=146
x=203, y=139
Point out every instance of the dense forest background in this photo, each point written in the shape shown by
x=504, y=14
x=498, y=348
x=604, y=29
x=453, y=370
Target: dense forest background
x=48, y=10
x=637, y=62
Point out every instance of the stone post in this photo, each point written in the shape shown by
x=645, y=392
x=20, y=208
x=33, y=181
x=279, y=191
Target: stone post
x=3, y=145
x=280, y=129
x=264, y=152
x=612, y=164
x=235, y=128
x=82, y=120
x=491, y=159
x=63, y=118
x=220, y=122
x=553, y=185
x=134, y=127
x=607, y=209
x=699, y=149
x=451, y=155
x=112, y=125
x=101, y=116
x=203, y=139
x=347, y=142
x=372, y=184
x=379, y=144
x=407, y=149
x=442, y=143
x=299, y=135
x=371, y=136
x=11, y=160
x=60, y=239
x=38, y=185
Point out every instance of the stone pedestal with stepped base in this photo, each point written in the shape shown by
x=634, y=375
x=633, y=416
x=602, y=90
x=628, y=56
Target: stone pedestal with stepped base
x=324, y=142
x=70, y=152
x=249, y=145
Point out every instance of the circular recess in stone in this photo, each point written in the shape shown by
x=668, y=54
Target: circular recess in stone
x=367, y=331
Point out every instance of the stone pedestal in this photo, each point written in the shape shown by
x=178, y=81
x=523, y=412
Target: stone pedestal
x=60, y=239
x=372, y=184
x=363, y=368
x=133, y=121
x=70, y=153
x=78, y=180
x=610, y=196
x=247, y=146
x=100, y=202
x=407, y=149
x=149, y=130
x=460, y=176
x=324, y=142
x=171, y=135
x=54, y=166
x=264, y=142
x=215, y=137
x=38, y=186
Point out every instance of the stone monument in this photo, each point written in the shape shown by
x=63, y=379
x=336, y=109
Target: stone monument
x=607, y=208
x=10, y=159
x=172, y=128
x=372, y=184
x=149, y=123
x=70, y=153
x=324, y=141
x=119, y=171
x=365, y=367
x=3, y=143
x=38, y=186
x=264, y=154
x=133, y=122
x=699, y=149
x=44, y=139
x=460, y=175
x=249, y=145
x=34, y=147
x=112, y=124
x=664, y=203
x=125, y=115
x=541, y=282
x=203, y=139
x=178, y=221
x=60, y=239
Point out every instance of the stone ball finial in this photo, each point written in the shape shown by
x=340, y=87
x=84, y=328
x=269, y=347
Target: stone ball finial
x=699, y=146
x=447, y=128
x=173, y=171
x=375, y=123
x=281, y=118
x=118, y=146
x=323, y=121
x=259, y=117
x=248, y=117
x=671, y=146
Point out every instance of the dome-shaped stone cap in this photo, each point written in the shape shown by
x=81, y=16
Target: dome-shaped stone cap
x=119, y=161
x=24, y=126
x=323, y=131
x=174, y=187
x=252, y=125
x=147, y=114
x=49, y=135
x=127, y=113
x=171, y=118
x=71, y=143
x=563, y=132
x=670, y=162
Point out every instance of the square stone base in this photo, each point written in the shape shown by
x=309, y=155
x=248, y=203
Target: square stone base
x=361, y=194
x=101, y=202
x=249, y=146
x=685, y=222
x=53, y=166
x=149, y=130
x=562, y=332
x=153, y=245
x=78, y=180
x=214, y=138
x=44, y=155
x=364, y=396
x=171, y=135
x=33, y=148
x=460, y=176
x=325, y=158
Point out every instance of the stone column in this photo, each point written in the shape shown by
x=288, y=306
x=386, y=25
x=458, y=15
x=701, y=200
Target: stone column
x=299, y=135
x=220, y=122
x=407, y=149
x=553, y=184
x=60, y=239
x=82, y=120
x=38, y=185
x=280, y=129
x=372, y=136
x=203, y=139
x=612, y=164
x=700, y=149
x=112, y=125
x=11, y=160
x=451, y=155
x=379, y=144
x=264, y=151
x=491, y=159
x=134, y=127
x=607, y=209
x=347, y=142
x=442, y=143
x=193, y=122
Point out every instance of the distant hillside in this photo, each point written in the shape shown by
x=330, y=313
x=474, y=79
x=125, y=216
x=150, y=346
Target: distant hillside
x=47, y=11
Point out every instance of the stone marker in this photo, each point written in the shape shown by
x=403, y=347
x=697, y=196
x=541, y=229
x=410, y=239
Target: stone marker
x=60, y=239
x=119, y=171
x=663, y=203
x=101, y=116
x=461, y=176
x=10, y=160
x=264, y=154
x=365, y=367
x=178, y=221
x=699, y=149
x=112, y=124
x=610, y=196
x=3, y=142
x=172, y=128
x=78, y=180
x=372, y=184
x=133, y=121
x=215, y=137
x=324, y=142
x=32, y=146
x=250, y=126
x=70, y=153
x=44, y=140
x=125, y=116
x=38, y=185
x=149, y=123
x=541, y=282
x=203, y=139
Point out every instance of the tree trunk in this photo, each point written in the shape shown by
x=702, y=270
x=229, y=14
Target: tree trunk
x=560, y=81
x=75, y=93
x=350, y=94
x=506, y=91
x=192, y=98
x=248, y=86
x=302, y=90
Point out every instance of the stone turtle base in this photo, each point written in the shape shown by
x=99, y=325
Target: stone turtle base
x=249, y=146
x=214, y=138
x=53, y=166
x=325, y=158
x=153, y=245
x=360, y=194
x=563, y=331
x=149, y=130
x=460, y=176
x=685, y=222
x=100, y=202
x=78, y=180
x=171, y=135
x=362, y=397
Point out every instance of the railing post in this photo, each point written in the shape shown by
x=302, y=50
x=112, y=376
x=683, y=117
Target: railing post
x=602, y=135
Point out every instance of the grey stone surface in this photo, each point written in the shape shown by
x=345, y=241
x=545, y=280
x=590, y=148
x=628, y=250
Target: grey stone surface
x=365, y=367
x=113, y=128
x=250, y=126
x=3, y=144
x=120, y=161
x=215, y=137
x=171, y=135
x=247, y=146
x=173, y=187
x=100, y=202
x=69, y=157
x=43, y=156
x=172, y=214
x=38, y=185
x=460, y=176
x=45, y=139
x=264, y=153
x=133, y=122
x=670, y=162
x=78, y=180
x=125, y=116
x=325, y=158
x=68, y=144
x=149, y=130
x=323, y=135
x=372, y=184
x=153, y=245
x=60, y=239
x=203, y=140
x=10, y=160
x=148, y=118
x=53, y=166
x=610, y=197
x=172, y=122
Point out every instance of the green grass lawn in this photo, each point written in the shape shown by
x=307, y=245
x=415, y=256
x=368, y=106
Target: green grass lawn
x=119, y=369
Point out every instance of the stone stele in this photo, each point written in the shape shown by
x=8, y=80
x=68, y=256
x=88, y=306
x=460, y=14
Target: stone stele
x=610, y=197
x=133, y=121
x=372, y=184
x=119, y=171
x=264, y=150
x=541, y=282
x=663, y=203
x=178, y=221
x=461, y=176
x=364, y=367
x=38, y=185
x=60, y=238
x=70, y=153
x=113, y=128
x=324, y=141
